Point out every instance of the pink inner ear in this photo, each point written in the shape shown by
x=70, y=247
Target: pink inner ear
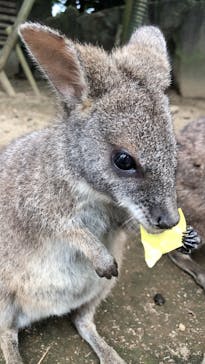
x=57, y=58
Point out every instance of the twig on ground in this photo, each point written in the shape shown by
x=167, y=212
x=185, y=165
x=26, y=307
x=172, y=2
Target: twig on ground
x=44, y=355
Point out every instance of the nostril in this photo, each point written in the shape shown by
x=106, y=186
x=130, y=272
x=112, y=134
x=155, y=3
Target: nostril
x=164, y=217
x=164, y=223
x=161, y=223
x=159, y=220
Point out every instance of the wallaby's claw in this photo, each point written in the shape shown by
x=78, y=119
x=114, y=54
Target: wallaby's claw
x=110, y=272
x=191, y=241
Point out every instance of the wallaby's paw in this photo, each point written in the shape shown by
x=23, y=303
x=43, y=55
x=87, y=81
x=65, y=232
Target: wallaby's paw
x=113, y=361
x=191, y=241
x=16, y=361
x=108, y=270
x=112, y=358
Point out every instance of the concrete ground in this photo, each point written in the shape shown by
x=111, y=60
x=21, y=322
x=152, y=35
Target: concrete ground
x=129, y=320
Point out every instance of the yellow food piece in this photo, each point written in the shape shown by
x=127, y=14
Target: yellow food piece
x=157, y=244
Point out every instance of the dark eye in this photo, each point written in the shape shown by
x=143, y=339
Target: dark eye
x=124, y=163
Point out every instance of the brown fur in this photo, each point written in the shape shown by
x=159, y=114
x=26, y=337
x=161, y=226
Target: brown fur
x=191, y=191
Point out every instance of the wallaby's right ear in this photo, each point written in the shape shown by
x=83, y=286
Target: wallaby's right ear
x=57, y=57
x=145, y=58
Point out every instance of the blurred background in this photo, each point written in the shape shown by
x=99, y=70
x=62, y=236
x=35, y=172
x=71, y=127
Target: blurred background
x=109, y=23
x=129, y=320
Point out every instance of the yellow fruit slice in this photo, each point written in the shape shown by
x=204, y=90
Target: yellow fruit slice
x=157, y=244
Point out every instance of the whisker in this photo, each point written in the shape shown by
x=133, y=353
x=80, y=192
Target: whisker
x=127, y=221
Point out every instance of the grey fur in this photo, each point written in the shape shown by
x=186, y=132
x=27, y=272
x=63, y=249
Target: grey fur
x=62, y=205
x=191, y=191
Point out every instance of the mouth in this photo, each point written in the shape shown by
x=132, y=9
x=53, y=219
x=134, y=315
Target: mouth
x=151, y=229
x=139, y=214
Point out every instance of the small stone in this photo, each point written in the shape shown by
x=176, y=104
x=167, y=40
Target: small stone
x=159, y=299
x=174, y=109
x=182, y=327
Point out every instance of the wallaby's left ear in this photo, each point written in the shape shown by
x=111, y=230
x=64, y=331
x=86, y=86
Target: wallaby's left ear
x=57, y=58
x=145, y=57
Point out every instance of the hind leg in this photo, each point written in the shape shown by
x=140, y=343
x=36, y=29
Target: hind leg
x=83, y=319
x=8, y=330
x=186, y=263
x=9, y=346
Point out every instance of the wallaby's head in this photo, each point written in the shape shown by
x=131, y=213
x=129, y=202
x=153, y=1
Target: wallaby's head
x=121, y=137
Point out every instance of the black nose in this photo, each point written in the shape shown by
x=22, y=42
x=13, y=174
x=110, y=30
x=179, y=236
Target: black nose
x=164, y=217
x=166, y=221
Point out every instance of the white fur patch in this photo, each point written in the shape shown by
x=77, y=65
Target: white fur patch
x=84, y=189
x=135, y=211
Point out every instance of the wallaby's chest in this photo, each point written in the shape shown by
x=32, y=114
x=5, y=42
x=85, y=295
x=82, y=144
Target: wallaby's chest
x=57, y=282
x=61, y=278
x=101, y=218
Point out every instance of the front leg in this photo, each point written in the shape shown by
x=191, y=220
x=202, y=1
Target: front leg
x=183, y=259
x=103, y=262
x=186, y=263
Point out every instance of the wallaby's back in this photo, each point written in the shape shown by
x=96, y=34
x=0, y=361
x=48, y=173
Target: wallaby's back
x=191, y=173
x=191, y=195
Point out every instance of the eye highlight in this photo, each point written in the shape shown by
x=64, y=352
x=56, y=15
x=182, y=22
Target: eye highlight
x=124, y=164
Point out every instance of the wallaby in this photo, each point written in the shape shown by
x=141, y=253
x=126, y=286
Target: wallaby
x=191, y=191
x=67, y=191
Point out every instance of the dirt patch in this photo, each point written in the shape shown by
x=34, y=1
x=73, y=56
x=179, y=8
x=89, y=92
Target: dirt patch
x=185, y=110
x=25, y=112
x=139, y=330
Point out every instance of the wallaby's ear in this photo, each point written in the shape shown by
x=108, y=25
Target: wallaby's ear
x=149, y=36
x=145, y=57
x=57, y=58
x=101, y=73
